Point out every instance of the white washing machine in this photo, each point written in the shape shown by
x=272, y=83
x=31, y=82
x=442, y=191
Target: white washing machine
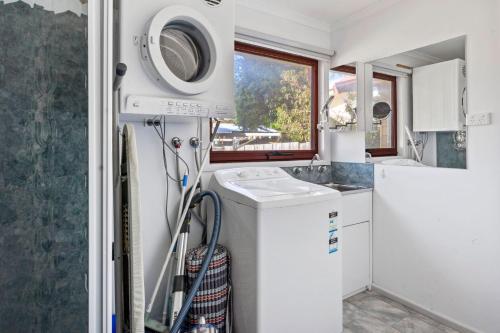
x=286, y=244
x=179, y=55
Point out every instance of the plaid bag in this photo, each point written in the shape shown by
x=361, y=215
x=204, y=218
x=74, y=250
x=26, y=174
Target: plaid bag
x=212, y=300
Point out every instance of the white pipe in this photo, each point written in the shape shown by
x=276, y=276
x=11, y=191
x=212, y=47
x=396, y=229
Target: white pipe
x=413, y=144
x=178, y=230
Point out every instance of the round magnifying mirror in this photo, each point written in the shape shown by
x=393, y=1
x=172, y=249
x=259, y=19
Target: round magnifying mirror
x=381, y=111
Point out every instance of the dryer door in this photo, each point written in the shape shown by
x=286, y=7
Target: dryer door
x=182, y=49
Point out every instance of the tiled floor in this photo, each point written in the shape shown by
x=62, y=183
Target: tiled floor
x=369, y=312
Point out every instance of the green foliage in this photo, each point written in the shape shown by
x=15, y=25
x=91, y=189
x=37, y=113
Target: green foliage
x=293, y=116
x=273, y=94
x=339, y=118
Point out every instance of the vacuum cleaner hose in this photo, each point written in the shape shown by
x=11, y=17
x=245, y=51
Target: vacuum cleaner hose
x=206, y=261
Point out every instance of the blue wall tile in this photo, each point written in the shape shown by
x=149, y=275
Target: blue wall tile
x=360, y=174
x=312, y=176
x=353, y=173
x=447, y=155
x=43, y=167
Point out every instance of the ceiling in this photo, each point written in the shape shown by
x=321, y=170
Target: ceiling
x=330, y=11
x=447, y=50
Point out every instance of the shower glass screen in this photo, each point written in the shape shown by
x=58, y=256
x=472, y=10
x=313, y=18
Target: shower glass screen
x=43, y=167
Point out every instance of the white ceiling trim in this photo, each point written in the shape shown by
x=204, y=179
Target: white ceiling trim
x=283, y=44
x=56, y=6
x=285, y=13
x=362, y=14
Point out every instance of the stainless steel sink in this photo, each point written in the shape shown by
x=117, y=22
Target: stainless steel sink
x=343, y=188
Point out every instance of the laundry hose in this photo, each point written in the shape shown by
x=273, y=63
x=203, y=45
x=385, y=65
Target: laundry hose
x=206, y=261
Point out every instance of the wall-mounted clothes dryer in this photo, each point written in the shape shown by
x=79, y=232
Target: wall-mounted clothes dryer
x=179, y=55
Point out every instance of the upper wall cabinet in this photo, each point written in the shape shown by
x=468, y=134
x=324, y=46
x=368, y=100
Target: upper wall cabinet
x=438, y=97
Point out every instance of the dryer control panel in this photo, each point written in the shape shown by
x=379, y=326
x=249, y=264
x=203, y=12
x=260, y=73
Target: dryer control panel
x=150, y=106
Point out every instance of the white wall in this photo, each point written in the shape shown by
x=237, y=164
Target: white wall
x=348, y=147
x=263, y=17
x=437, y=231
x=152, y=177
x=405, y=105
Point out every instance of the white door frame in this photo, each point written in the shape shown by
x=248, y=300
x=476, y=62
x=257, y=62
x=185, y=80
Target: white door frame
x=100, y=284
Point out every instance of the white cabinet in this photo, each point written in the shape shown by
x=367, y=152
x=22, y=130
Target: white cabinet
x=357, y=208
x=356, y=245
x=438, y=95
x=356, y=258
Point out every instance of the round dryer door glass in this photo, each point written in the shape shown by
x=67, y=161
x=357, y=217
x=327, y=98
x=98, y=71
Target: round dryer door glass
x=185, y=51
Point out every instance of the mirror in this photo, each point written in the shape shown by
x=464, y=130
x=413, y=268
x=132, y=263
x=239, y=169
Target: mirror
x=381, y=111
x=414, y=105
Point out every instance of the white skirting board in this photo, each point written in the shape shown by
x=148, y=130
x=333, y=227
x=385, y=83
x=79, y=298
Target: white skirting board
x=433, y=315
x=359, y=291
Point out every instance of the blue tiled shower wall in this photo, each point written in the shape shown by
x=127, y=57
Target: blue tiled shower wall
x=43, y=169
x=447, y=155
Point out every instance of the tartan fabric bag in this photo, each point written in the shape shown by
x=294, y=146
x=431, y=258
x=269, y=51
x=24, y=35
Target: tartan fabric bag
x=212, y=300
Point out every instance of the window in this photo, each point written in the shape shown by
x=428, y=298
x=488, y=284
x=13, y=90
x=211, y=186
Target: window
x=343, y=87
x=276, y=96
x=381, y=140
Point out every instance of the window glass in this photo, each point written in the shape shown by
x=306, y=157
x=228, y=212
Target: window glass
x=343, y=87
x=381, y=139
x=274, y=103
x=380, y=135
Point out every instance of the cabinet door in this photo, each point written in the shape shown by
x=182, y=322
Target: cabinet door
x=356, y=208
x=437, y=91
x=356, y=257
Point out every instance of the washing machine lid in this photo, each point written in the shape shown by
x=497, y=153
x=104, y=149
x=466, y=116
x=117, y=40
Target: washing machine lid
x=268, y=187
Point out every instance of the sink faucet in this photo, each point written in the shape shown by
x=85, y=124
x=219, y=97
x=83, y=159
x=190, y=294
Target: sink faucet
x=315, y=158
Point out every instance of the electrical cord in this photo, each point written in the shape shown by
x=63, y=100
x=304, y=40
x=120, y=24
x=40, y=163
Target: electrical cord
x=197, y=216
x=165, y=144
x=161, y=130
x=170, y=251
x=425, y=138
x=198, y=151
x=162, y=135
x=175, y=152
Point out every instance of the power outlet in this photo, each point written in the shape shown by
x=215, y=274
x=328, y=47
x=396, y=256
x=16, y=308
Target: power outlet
x=478, y=119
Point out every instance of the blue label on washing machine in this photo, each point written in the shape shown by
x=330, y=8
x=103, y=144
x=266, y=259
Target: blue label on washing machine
x=333, y=241
x=332, y=225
